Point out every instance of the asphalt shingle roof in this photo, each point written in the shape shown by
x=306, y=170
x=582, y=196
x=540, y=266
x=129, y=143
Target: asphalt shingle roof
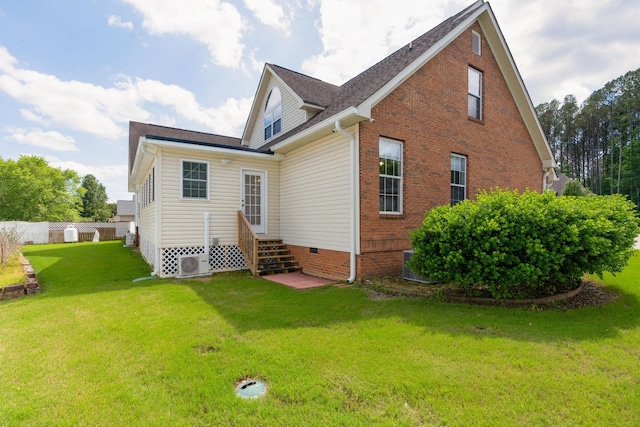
x=137, y=130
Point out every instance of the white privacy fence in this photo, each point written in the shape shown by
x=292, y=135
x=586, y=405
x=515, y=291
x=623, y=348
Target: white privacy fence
x=48, y=232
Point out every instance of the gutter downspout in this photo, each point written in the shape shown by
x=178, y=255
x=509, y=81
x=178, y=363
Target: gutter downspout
x=156, y=264
x=352, y=146
x=545, y=186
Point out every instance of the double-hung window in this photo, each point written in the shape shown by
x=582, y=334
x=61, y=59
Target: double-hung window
x=458, y=178
x=390, y=175
x=195, y=180
x=475, y=94
x=273, y=114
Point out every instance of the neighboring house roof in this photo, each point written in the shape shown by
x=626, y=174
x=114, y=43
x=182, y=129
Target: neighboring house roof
x=559, y=184
x=125, y=207
x=137, y=130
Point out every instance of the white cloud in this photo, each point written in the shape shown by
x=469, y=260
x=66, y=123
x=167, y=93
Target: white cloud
x=356, y=35
x=111, y=176
x=230, y=117
x=100, y=172
x=216, y=24
x=51, y=140
x=31, y=116
x=116, y=21
x=104, y=112
x=270, y=13
x=7, y=61
x=570, y=47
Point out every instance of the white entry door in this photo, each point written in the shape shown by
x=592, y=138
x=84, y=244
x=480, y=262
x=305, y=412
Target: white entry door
x=254, y=200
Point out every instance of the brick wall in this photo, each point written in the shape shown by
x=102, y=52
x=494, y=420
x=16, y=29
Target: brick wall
x=325, y=263
x=428, y=113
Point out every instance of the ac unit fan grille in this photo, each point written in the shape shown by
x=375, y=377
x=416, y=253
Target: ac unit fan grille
x=189, y=265
x=192, y=265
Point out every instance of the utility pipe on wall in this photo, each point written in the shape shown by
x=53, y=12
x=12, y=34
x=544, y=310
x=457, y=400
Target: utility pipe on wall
x=206, y=233
x=353, y=225
x=545, y=186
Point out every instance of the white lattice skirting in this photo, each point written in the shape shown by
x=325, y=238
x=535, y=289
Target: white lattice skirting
x=148, y=251
x=221, y=258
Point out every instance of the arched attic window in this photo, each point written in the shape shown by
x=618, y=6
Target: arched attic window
x=273, y=114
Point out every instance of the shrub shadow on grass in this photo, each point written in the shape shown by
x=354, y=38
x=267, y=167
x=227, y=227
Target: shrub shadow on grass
x=251, y=304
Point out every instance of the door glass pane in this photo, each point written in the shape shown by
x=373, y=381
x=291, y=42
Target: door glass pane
x=252, y=202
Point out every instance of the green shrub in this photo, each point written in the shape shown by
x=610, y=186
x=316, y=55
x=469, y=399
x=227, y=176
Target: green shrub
x=573, y=187
x=505, y=241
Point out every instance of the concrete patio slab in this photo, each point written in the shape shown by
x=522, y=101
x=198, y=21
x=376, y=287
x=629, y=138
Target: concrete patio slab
x=298, y=280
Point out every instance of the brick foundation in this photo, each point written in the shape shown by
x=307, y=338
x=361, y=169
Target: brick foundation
x=325, y=263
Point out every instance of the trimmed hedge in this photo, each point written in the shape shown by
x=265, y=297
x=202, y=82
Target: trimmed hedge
x=505, y=241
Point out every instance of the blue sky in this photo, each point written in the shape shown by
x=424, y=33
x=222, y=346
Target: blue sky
x=74, y=72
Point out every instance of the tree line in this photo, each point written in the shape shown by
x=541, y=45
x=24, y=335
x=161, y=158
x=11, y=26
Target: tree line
x=598, y=142
x=32, y=190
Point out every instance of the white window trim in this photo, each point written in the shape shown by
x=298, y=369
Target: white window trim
x=182, y=179
x=400, y=178
x=481, y=74
x=270, y=111
x=464, y=185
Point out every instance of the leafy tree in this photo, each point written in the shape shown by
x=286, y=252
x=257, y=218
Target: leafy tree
x=113, y=209
x=598, y=142
x=31, y=190
x=574, y=188
x=94, y=200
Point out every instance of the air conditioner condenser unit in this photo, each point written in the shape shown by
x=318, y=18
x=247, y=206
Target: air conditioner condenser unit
x=410, y=275
x=193, y=265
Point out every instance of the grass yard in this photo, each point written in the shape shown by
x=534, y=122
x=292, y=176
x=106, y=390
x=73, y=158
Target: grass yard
x=95, y=348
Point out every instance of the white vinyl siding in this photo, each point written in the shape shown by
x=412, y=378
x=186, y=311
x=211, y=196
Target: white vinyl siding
x=315, y=195
x=292, y=114
x=183, y=220
x=147, y=220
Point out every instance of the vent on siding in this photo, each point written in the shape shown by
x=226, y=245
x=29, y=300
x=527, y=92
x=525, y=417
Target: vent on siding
x=476, y=43
x=408, y=274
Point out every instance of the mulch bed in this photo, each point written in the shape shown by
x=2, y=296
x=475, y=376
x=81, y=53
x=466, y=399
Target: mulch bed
x=584, y=294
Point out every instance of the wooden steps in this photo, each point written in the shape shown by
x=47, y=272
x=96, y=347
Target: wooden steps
x=274, y=257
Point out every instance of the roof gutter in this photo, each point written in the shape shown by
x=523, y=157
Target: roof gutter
x=352, y=146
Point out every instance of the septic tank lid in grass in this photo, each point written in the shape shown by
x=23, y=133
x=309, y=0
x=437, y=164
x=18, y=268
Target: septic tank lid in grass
x=251, y=388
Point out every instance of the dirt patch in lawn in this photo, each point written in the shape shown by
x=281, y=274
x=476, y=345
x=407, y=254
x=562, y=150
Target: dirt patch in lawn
x=578, y=295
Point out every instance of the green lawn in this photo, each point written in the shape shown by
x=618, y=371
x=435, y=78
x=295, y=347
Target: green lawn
x=95, y=348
